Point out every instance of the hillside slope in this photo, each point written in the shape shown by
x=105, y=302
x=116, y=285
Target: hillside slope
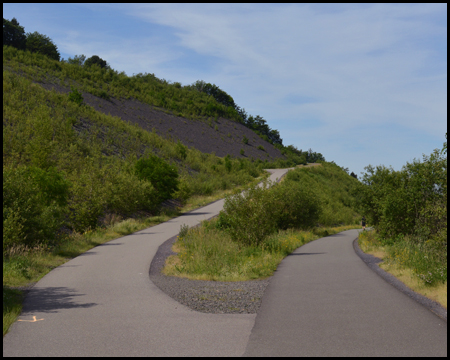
x=221, y=137
x=195, y=119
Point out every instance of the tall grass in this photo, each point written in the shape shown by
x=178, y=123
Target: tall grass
x=207, y=253
x=428, y=264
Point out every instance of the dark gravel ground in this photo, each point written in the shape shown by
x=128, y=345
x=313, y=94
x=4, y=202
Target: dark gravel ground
x=221, y=137
x=240, y=297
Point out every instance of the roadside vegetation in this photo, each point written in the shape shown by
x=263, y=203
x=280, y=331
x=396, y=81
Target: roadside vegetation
x=422, y=271
x=262, y=225
x=408, y=209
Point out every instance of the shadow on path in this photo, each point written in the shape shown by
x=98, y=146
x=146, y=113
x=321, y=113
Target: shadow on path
x=52, y=299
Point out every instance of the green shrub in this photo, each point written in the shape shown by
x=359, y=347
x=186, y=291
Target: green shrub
x=245, y=140
x=242, y=152
x=228, y=164
x=75, y=96
x=260, y=147
x=254, y=214
x=249, y=215
x=181, y=150
x=34, y=205
x=160, y=174
x=295, y=206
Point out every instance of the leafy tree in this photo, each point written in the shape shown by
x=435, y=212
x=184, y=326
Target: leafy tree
x=412, y=201
x=95, y=59
x=77, y=60
x=42, y=44
x=14, y=34
x=160, y=174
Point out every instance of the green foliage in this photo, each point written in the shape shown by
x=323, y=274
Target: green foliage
x=427, y=260
x=228, y=164
x=181, y=150
x=254, y=214
x=34, y=204
x=95, y=59
x=160, y=174
x=245, y=140
x=412, y=201
x=77, y=60
x=208, y=253
x=296, y=206
x=14, y=34
x=75, y=96
x=409, y=210
x=260, y=147
x=242, y=152
x=335, y=189
x=42, y=44
x=249, y=216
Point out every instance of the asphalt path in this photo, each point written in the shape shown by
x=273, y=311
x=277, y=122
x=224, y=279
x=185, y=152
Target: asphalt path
x=324, y=301
x=102, y=303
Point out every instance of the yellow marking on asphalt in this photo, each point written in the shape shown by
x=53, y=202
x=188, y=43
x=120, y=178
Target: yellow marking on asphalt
x=34, y=319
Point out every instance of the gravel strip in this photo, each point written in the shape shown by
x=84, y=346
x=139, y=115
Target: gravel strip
x=216, y=297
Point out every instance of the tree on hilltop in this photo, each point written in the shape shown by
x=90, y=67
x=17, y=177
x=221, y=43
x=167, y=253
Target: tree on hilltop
x=42, y=44
x=14, y=34
x=95, y=59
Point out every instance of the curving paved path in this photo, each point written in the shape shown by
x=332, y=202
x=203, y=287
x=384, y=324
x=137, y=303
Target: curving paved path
x=102, y=303
x=322, y=301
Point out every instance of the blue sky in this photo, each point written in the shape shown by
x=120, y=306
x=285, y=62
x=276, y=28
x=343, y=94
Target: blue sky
x=362, y=84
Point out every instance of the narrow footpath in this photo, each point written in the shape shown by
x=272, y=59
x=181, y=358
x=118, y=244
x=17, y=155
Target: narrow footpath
x=324, y=301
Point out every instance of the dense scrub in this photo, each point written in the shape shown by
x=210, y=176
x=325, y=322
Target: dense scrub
x=409, y=210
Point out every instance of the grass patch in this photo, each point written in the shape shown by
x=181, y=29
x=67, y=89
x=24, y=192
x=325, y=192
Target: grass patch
x=416, y=269
x=207, y=253
x=12, y=306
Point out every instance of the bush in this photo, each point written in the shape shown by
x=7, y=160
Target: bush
x=34, y=204
x=248, y=216
x=296, y=206
x=75, y=96
x=254, y=214
x=181, y=150
x=160, y=174
x=228, y=164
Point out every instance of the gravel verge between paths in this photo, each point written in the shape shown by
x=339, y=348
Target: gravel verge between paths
x=215, y=297
x=372, y=262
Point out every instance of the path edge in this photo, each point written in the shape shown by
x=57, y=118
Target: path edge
x=372, y=262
